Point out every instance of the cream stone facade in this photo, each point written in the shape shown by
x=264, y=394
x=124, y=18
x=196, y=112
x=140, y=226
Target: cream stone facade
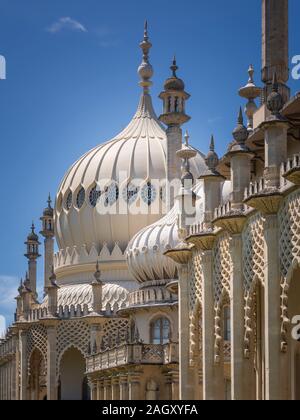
x=159, y=293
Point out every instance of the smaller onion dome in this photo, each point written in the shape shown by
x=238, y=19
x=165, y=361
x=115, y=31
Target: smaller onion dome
x=212, y=159
x=174, y=83
x=33, y=237
x=145, y=252
x=48, y=211
x=240, y=133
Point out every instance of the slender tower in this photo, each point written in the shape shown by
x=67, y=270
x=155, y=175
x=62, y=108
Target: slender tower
x=275, y=46
x=32, y=254
x=174, y=116
x=48, y=234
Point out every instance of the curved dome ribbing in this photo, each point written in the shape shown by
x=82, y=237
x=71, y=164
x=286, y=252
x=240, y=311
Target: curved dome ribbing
x=140, y=152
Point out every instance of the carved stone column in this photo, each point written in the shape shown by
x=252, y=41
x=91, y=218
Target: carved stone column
x=241, y=375
x=23, y=365
x=100, y=390
x=213, y=380
x=51, y=363
x=107, y=389
x=115, y=387
x=186, y=390
x=134, y=380
x=123, y=387
x=272, y=309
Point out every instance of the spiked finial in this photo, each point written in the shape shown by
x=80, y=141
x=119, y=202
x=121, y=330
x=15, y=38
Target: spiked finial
x=275, y=83
x=174, y=67
x=251, y=73
x=49, y=201
x=146, y=31
x=212, y=144
x=240, y=117
x=240, y=133
x=186, y=138
x=275, y=101
x=145, y=70
x=97, y=274
x=212, y=159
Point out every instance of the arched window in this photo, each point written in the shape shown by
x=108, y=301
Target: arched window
x=160, y=331
x=226, y=324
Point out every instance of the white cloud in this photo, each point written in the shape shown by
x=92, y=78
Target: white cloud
x=66, y=23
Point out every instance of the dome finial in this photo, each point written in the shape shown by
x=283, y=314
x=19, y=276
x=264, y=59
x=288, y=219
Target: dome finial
x=174, y=66
x=275, y=101
x=145, y=70
x=212, y=144
x=240, y=133
x=187, y=138
x=49, y=201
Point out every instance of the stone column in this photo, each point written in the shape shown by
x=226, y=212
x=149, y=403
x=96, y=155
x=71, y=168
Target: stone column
x=115, y=388
x=213, y=378
x=93, y=388
x=272, y=308
x=186, y=391
x=107, y=389
x=241, y=376
x=172, y=383
x=134, y=386
x=99, y=390
x=51, y=363
x=23, y=365
x=123, y=387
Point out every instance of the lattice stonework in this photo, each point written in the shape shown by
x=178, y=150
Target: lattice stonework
x=37, y=339
x=221, y=281
x=253, y=251
x=195, y=303
x=195, y=283
x=72, y=334
x=289, y=222
x=253, y=270
x=115, y=331
x=221, y=267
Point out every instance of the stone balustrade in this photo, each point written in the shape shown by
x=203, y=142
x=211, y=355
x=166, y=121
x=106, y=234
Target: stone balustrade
x=133, y=354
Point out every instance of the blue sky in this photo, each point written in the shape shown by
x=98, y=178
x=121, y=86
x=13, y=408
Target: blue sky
x=72, y=83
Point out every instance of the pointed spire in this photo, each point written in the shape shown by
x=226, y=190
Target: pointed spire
x=212, y=159
x=240, y=133
x=49, y=201
x=240, y=117
x=97, y=274
x=186, y=138
x=275, y=101
x=251, y=73
x=174, y=67
x=212, y=144
x=145, y=70
x=275, y=83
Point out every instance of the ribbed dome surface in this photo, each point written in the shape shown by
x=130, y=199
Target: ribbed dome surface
x=145, y=252
x=139, y=151
x=81, y=294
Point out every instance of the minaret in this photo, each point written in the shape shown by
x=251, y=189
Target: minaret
x=240, y=163
x=212, y=182
x=32, y=254
x=275, y=46
x=48, y=233
x=186, y=197
x=97, y=290
x=174, y=116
